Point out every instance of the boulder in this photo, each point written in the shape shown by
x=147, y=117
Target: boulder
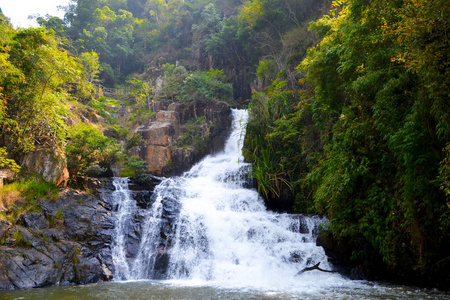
x=157, y=133
x=50, y=163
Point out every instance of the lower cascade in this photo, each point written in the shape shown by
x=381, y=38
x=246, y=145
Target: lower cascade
x=208, y=227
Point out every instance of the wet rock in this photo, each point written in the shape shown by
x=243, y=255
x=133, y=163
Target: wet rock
x=147, y=183
x=166, y=232
x=132, y=245
x=87, y=270
x=339, y=253
x=301, y=226
x=143, y=198
x=161, y=265
x=133, y=230
x=171, y=208
x=295, y=257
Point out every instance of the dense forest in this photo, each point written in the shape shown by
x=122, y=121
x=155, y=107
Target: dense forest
x=348, y=99
x=363, y=136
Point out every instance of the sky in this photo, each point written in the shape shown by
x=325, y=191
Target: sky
x=19, y=10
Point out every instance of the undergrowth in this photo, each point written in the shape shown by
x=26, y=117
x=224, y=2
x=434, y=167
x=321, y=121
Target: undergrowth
x=21, y=197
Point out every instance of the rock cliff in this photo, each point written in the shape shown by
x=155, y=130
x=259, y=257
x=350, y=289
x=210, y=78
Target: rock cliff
x=178, y=135
x=50, y=163
x=69, y=240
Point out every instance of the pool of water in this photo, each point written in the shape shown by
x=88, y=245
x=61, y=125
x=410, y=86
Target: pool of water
x=173, y=290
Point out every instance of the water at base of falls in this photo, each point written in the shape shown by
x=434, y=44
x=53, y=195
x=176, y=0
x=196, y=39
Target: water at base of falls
x=206, y=227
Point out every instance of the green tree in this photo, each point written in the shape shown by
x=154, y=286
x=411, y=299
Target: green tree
x=209, y=24
x=111, y=35
x=173, y=81
x=207, y=86
x=89, y=152
x=90, y=71
x=52, y=22
x=383, y=138
x=36, y=70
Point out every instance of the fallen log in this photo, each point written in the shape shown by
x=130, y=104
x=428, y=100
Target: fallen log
x=315, y=267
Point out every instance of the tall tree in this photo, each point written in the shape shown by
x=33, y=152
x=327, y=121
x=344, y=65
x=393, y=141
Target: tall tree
x=35, y=107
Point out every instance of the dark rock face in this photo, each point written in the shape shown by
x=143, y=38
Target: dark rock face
x=5, y=226
x=161, y=257
x=34, y=220
x=68, y=243
x=301, y=226
x=161, y=265
x=339, y=254
x=143, y=191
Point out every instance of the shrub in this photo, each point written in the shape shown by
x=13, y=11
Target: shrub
x=89, y=151
x=136, y=169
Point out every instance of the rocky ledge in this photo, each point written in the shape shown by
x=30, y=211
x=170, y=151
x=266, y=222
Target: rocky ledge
x=66, y=241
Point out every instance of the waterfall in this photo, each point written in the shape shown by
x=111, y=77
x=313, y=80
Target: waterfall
x=207, y=226
x=126, y=207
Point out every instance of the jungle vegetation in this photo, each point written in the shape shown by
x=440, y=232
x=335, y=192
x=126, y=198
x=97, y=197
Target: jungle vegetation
x=349, y=104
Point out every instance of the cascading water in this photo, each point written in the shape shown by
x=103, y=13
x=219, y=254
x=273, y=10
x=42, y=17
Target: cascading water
x=209, y=237
x=126, y=207
x=207, y=227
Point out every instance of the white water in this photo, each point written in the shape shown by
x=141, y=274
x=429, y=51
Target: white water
x=126, y=208
x=223, y=235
